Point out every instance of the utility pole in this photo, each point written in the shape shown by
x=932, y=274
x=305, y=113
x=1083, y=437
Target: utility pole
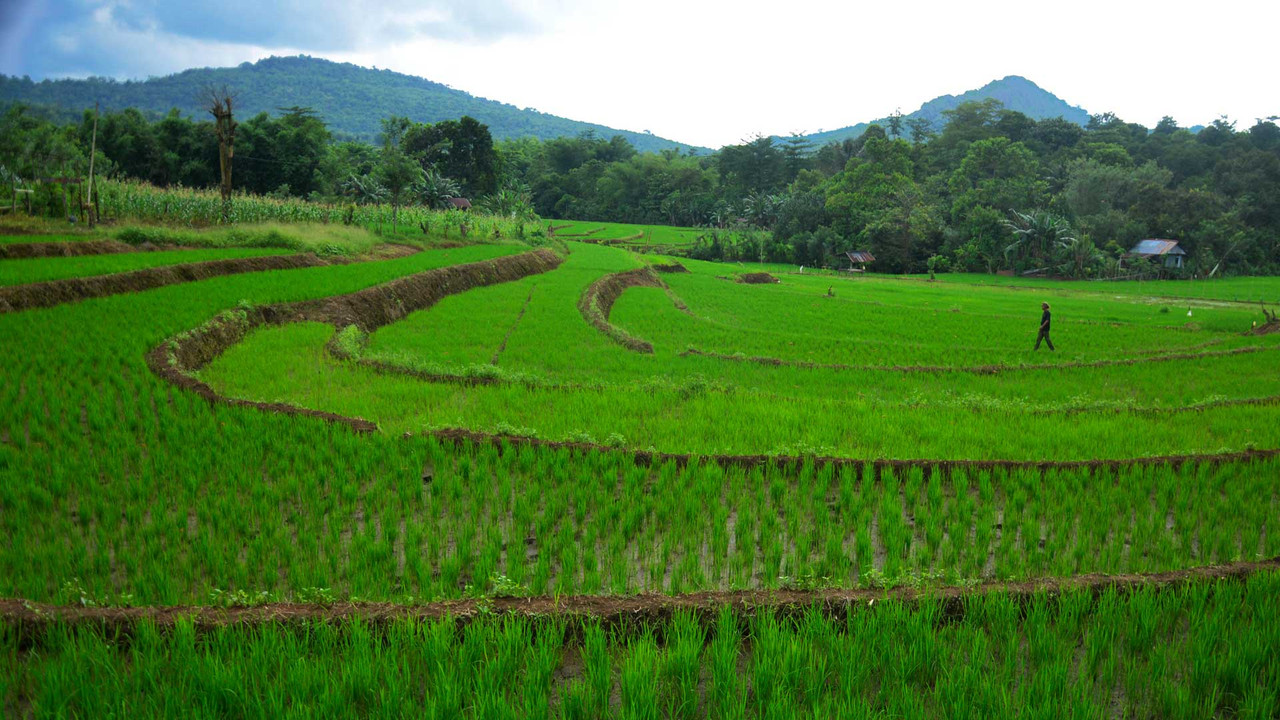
x=93, y=148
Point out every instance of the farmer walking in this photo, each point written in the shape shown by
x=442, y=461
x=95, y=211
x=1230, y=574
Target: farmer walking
x=1044, y=328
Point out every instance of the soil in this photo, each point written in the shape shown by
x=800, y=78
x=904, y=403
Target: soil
x=759, y=278
x=55, y=292
x=615, y=611
x=673, y=267
x=1270, y=326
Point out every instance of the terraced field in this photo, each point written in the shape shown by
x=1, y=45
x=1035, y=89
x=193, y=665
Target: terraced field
x=494, y=481
x=865, y=368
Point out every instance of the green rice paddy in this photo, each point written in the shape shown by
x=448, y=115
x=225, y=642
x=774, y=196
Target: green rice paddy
x=119, y=489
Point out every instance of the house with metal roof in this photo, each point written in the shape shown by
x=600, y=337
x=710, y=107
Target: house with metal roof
x=859, y=260
x=1165, y=251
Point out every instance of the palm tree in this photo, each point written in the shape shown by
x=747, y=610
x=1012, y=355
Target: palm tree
x=1036, y=234
x=1078, y=256
x=435, y=190
x=511, y=202
x=364, y=190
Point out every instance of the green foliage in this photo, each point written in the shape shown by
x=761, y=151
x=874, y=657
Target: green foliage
x=947, y=192
x=1193, y=651
x=353, y=99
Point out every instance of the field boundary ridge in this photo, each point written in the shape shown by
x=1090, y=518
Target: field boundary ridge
x=367, y=309
x=17, y=298
x=617, y=610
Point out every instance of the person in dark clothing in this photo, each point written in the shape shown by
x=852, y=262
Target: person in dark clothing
x=1044, y=328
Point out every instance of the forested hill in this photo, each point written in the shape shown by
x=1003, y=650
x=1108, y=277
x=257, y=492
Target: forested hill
x=351, y=99
x=1014, y=92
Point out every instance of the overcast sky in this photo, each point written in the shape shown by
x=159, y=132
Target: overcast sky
x=707, y=73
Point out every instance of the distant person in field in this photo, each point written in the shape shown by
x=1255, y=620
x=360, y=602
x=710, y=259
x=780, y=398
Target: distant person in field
x=1044, y=328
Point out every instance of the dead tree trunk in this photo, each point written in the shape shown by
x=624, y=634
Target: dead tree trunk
x=219, y=106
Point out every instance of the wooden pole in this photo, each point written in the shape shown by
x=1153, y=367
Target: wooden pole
x=93, y=146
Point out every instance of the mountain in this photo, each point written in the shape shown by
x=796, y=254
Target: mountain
x=1014, y=92
x=352, y=99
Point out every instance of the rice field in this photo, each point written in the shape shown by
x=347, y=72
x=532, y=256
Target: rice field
x=587, y=231
x=824, y=415
x=32, y=270
x=1198, y=652
x=867, y=368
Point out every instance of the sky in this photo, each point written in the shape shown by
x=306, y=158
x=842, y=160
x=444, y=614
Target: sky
x=705, y=73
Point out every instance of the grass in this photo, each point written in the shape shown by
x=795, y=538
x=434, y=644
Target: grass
x=1190, y=652
x=33, y=270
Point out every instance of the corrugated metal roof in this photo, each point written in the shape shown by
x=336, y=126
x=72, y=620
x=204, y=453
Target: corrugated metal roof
x=860, y=257
x=1157, y=247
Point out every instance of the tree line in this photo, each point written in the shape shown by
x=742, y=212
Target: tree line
x=990, y=190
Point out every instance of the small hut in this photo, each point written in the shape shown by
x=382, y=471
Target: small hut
x=460, y=203
x=858, y=260
x=1165, y=252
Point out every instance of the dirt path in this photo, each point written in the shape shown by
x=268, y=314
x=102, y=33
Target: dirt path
x=616, y=610
x=973, y=369
x=17, y=298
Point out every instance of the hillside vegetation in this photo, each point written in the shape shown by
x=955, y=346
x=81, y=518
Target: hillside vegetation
x=351, y=99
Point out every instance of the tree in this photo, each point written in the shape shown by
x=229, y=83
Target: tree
x=895, y=123
x=460, y=149
x=364, y=190
x=1078, y=256
x=921, y=129
x=756, y=166
x=218, y=102
x=435, y=190
x=876, y=204
x=796, y=152
x=397, y=172
x=1036, y=235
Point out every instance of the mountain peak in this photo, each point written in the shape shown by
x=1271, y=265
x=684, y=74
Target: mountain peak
x=1015, y=92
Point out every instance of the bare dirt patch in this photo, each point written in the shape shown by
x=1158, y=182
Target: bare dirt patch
x=757, y=278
